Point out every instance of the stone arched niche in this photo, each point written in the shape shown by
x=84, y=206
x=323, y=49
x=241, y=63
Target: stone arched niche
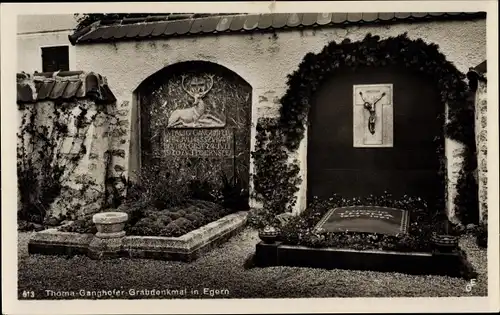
x=195, y=118
x=414, y=57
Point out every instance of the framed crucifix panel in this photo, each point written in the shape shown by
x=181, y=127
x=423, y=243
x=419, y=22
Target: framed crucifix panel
x=373, y=116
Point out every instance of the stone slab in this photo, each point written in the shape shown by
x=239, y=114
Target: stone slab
x=418, y=263
x=266, y=255
x=53, y=242
x=368, y=219
x=198, y=143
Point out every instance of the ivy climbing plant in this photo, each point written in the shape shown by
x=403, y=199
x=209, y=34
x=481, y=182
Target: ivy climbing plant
x=42, y=168
x=276, y=179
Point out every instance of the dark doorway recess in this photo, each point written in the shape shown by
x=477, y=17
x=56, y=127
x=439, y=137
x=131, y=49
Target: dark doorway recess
x=409, y=167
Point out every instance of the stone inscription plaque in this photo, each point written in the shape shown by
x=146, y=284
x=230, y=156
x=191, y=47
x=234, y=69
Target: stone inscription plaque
x=366, y=219
x=198, y=143
x=196, y=123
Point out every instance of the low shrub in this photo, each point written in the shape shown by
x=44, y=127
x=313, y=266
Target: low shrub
x=184, y=223
x=175, y=209
x=211, y=211
x=147, y=226
x=209, y=215
x=147, y=220
x=190, y=209
x=174, y=215
x=260, y=218
x=84, y=225
x=194, y=219
x=160, y=187
x=165, y=219
x=171, y=229
x=150, y=211
x=200, y=216
x=135, y=210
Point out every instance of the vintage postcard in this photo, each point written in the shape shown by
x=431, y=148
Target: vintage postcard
x=251, y=157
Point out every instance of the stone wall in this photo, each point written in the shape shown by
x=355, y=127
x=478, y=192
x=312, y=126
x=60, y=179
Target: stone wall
x=454, y=152
x=264, y=60
x=63, y=149
x=117, y=134
x=482, y=148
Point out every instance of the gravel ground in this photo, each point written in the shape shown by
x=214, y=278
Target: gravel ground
x=224, y=269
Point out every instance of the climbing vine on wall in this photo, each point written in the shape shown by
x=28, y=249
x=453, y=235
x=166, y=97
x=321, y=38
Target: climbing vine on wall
x=276, y=179
x=415, y=55
x=41, y=166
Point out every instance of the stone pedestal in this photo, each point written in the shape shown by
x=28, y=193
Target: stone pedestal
x=266, y=255
x=107, y=243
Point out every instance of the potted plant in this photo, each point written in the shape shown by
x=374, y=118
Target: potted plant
x=269, y=234
x=443, y=240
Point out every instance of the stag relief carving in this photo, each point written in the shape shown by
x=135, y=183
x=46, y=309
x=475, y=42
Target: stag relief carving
x=197, y=115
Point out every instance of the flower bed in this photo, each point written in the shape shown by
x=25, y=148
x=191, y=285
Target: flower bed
x=300, y=230
x=147, y=220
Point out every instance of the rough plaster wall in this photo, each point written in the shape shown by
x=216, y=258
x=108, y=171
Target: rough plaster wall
x=45, y=23
x=84, y=186
x=83, y=181
x=35, y=31
x=454, y=160
x=482, y=149
x=29, y=53
x=264, y=60
x=118, y=135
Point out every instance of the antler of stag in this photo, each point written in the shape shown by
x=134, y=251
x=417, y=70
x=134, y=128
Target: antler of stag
x=183, y=77
x=199, y=94
x=211, y=77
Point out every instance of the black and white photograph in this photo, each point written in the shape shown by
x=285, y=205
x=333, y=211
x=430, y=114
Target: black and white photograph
x=270, y=151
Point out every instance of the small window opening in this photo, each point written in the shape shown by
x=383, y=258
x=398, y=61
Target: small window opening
x=55, y=58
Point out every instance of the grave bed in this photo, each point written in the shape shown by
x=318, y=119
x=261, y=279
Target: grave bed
x=187, y=247
x=405, y=246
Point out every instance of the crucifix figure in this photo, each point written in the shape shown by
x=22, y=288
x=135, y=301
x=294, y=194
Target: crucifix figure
x=371, y=109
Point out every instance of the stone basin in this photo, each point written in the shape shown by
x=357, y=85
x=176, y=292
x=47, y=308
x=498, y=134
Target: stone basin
x=110, y=223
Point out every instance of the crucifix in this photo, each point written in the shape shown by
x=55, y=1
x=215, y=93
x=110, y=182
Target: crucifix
x=372, y=110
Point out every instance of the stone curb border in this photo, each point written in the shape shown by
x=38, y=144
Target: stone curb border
x=453, y=264
x=187, y=247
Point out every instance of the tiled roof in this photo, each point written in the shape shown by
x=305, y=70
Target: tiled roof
x=65, y=85
x=481, y=68
x=150, y=27
x=477, y=73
